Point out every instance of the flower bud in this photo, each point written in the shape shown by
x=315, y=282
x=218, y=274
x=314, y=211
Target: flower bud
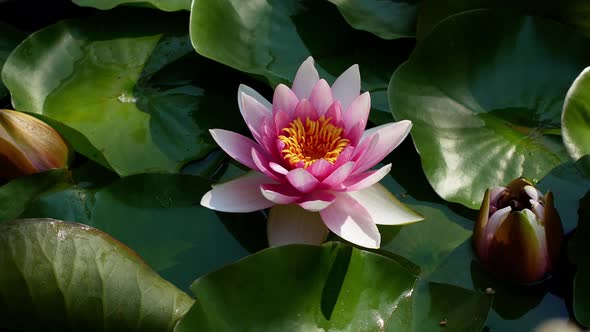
x=28, y=146
x=518, y=233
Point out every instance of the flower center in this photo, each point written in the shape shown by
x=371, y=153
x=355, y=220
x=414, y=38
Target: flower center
x=312, y=141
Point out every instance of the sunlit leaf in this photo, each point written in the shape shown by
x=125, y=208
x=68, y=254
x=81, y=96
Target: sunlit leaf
x=125, y=88
x=302, y=288
x=272, y=38
x=483, y=111
x=69, y=277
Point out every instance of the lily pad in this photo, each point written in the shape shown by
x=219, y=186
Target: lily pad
x=386, y=19
x=69, y=277
x=125, y=85
x=273, y=38
x=9, y=39
x=483, y=112
x=301, y=288
x=576, y=116
x=514, y=307
x=17, y=194
x=159, y=216
x=166, y=5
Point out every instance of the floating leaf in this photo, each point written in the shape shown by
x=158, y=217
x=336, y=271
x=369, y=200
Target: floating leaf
x=483, y=112
x=166, y=5
x=272, y=38
x=384, y=18
x=576, y=116
x=69, y=277
x=159, y=216
x=17, y=194
x=125, y=87
x=299, y=287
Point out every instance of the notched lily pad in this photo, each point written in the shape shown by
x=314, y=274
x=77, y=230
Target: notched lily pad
x=126, y=85
x=304, y=288
x=484, y=112
x=63, y=276
x=166, y=5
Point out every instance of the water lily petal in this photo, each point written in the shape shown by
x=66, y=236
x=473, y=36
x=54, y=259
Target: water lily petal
x=302, y=180
x=262, y=163
x=239, y=195
x=334, y=112
x=290, y=224
x=279, y=193
x=317, y=201
x=254, y=114
x=351, y=221
x=244, y=89
x=284, y=99
x=305, y=110
x=338, y=176
x=281, y=120
x=237, y=146
x=358, y=111
x=347, y=86
x=305, y=79
x=389, y=136
x=320, y=169
x=366, y=179
x=321, y=97
x=278, y=168
x=383, y=207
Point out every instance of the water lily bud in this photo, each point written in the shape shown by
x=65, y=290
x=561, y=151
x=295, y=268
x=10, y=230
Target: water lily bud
x=28, y=146
x=518, y=233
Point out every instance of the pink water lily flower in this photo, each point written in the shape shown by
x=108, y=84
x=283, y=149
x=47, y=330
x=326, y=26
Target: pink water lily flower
x=312, y=162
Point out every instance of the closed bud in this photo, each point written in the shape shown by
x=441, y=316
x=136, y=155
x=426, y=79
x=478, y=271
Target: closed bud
x=28, y=146
x=518, y=233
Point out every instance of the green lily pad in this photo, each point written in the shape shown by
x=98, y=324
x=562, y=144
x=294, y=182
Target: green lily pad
x=576, y=116
x=569, y=182
x=483, y=112
x=9, y=39
x=166, y=5
x=126, y=89
x=17, y=194
x=69, y=277
x=274, y=37
x=386, y=19
x=159, y=216
x=442, y=306
x=426, y=243
x=301, y=288
x=515, y=307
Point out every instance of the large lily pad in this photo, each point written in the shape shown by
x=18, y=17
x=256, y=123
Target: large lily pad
x=576, y=116
x=272, y=38
x=159, y=216
x=166, y=5
x=302, y=288
x=384, y=18
x=62, y=276
x=126, y=86
x=483, y=111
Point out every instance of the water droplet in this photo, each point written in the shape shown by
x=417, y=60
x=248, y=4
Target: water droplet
x=126, y=98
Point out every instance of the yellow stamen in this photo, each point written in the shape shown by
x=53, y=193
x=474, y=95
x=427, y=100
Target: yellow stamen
x=312, y=141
